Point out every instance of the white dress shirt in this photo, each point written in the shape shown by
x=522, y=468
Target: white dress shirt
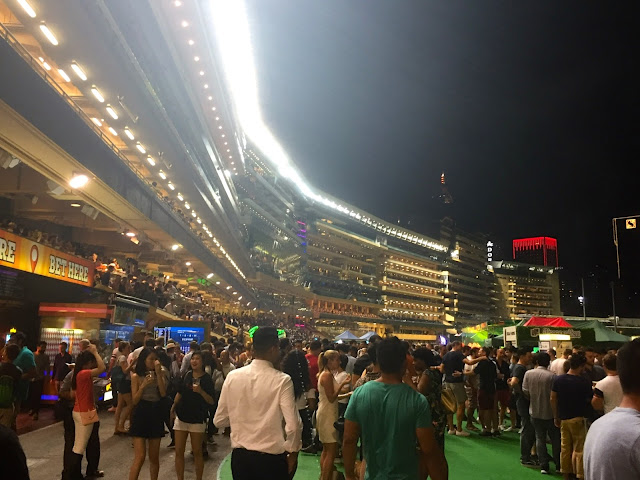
x=254, y=401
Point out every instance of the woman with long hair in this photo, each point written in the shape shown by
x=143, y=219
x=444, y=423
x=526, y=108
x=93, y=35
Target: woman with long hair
x=148, y=387
x=430, y=385
x=327, y=414
x=125, y=403
x=89, y=365
x=191, y=408
x=296, y=366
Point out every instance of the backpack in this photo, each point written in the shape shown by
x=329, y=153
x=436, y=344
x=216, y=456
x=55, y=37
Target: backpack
x=7, y=391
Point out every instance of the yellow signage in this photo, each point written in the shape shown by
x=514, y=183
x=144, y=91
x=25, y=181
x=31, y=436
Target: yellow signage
x=630, y=223
x=28, y=256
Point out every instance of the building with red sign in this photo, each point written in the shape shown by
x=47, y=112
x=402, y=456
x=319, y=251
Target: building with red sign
x=536, y=251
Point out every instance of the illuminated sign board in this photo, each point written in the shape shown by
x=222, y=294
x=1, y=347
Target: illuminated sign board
x=32, y=257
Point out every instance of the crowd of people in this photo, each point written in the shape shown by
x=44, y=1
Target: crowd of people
x=384, y=407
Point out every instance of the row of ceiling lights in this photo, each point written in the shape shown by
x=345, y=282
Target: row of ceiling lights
x=79, y=179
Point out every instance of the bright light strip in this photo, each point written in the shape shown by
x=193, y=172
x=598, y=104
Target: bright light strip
x=193, y=213
x=191, y=42
x=112, y=112
x=140, y=148
x=177, y=3
x=210, y=275
x=79, y=180
x=113, y=131
x=96, y=122
x=64, y=75
x=175, y=247
x=97, y=94
x=171, y=186
x=184, y=24
x=187, y=206
x=151, y=161
x=554, y=336
x=44, y=64
x=128, y=133
x=198, y=220
x=162, y=175
x=196, y=59
x=180, y=197
x=48, y=33
x=27, y=8
x=76, y=68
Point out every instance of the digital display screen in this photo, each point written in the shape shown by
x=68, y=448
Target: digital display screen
x=182, y=335
x=110, y=333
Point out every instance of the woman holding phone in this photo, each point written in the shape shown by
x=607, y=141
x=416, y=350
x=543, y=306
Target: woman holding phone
x=191, y=408
x=148, y=387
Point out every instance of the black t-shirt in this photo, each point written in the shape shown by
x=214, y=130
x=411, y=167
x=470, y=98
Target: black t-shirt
x=487, y=375
x=506, y=371
x=453, y=361
x=192, y=407
x=574, y=394
x=596, y=373
x=522, y=402
x=12, y=458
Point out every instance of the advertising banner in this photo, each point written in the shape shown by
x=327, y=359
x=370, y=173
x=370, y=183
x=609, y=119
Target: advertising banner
x=29, y=256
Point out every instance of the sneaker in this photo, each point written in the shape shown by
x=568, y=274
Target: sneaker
x=496, y=433
x=501, y=427
x=485, y=433
x=528, y=463
x=311, y=449
x=521, y=430
x=545, y=471
x=508, y=429
x=462, y=433
x=472, y=428
x=172, y=444
x=111, y=409
x=452, y=432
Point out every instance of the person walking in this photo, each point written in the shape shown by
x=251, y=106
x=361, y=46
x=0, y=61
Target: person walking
x=255, y=402
x=570, y=395
x=25, y=362
x=390, y=417
x=10, y=376
x=487, y=409
x=190, y=409
x=612, y=448
x=88, y=366
x=327, y=414
x=148, y=387
x=536, y=386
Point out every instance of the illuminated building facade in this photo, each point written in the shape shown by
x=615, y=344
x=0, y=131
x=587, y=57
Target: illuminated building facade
x=536, y=251
x=522, y=289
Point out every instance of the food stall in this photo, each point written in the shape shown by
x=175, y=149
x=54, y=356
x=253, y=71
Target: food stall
x=546, y=333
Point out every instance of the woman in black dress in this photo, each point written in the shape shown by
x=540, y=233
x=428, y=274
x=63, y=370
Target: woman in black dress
x=148, y=388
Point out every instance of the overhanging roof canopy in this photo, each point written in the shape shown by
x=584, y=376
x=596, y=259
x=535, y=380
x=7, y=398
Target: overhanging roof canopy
x=547, y=322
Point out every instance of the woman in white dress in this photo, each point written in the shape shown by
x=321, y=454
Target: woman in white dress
x=327, y=414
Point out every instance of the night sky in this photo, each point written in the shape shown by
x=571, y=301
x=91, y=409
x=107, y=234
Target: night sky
x=531, y=110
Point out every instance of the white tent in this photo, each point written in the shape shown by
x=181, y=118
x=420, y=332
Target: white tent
x=347, y=335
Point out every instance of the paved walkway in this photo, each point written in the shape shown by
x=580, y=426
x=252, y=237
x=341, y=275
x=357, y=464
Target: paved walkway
x=44, y=448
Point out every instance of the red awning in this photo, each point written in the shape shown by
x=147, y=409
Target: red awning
x=547, y=322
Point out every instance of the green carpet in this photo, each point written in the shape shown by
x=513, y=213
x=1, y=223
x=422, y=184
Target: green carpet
x=474, y=457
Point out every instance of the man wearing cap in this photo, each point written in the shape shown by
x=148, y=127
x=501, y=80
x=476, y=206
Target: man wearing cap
x=254, y=402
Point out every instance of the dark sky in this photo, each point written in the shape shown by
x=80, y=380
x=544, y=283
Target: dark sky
x=530, y=108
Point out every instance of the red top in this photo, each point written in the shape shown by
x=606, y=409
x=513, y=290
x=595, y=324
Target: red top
x=313, y=369
x=84, y=392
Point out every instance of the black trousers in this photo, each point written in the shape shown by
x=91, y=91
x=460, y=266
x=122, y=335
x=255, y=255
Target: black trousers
x=307, y=428
x=93, y=447
x=35, y=392
x=249, y=465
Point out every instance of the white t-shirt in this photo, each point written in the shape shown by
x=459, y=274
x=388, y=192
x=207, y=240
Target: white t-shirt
x=611, y=390
x=557, y=366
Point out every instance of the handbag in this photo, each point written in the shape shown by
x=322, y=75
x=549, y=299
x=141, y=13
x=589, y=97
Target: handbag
x=449, y=401
x=87, y=418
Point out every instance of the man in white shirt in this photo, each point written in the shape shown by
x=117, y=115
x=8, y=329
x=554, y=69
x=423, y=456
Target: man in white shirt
x=607, y=394
x=254, y=402
x=557, y=366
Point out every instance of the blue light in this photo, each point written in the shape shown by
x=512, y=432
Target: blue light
x=49, y=397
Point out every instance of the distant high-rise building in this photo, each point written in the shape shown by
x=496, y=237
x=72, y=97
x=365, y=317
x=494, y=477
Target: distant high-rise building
x=536, y=251
x=445, y=196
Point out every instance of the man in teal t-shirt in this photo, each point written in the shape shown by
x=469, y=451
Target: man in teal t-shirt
x=391, y=419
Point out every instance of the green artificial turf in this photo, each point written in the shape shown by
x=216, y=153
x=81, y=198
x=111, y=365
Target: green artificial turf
x=474, y=457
